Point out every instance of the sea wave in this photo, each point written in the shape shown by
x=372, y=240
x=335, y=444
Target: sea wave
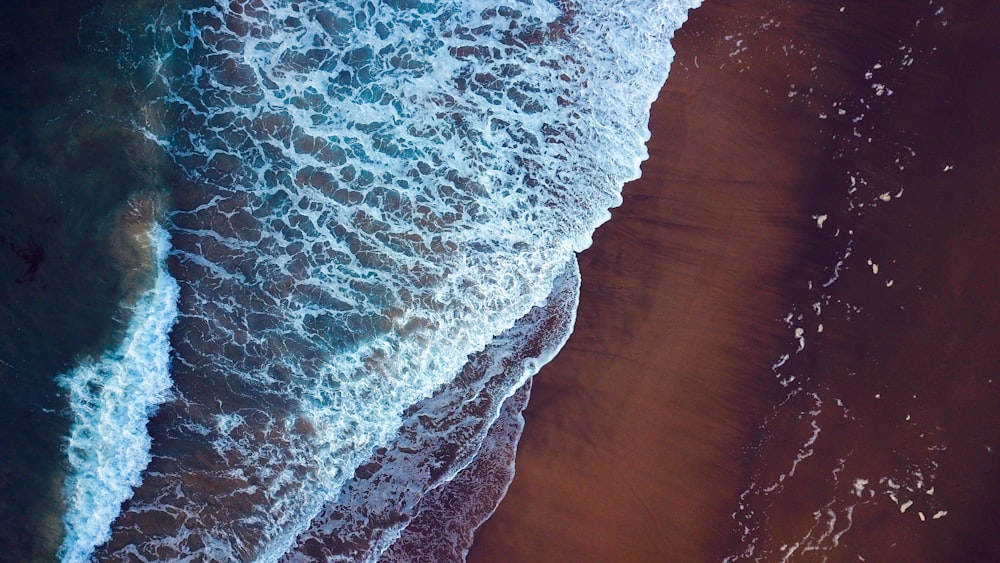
x=111, y=400
x=375, y=193
x=450, y=514
x=440, y=436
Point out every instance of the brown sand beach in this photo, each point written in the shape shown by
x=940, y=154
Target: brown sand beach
x=790, y=137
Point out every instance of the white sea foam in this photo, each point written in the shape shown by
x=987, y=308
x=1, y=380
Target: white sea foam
x=441, y=435
x=112, y=399
x=380, y=190
x=450, y=514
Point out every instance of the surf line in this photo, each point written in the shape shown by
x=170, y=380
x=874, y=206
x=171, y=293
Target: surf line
x=111, y=399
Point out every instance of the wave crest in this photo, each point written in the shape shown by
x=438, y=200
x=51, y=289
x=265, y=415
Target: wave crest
x=111, y=400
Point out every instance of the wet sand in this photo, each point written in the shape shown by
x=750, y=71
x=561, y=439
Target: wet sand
x=662, y=432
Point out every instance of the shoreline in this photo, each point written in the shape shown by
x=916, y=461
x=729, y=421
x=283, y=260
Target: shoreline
x=662, y=431
x=633, y=434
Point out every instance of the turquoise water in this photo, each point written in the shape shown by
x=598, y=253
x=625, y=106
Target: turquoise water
x=297, y=236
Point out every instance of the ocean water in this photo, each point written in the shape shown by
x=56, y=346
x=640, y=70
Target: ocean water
x=71, y=163
x=329, y=241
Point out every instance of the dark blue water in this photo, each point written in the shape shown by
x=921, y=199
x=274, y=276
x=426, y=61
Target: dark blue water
x=67, y=167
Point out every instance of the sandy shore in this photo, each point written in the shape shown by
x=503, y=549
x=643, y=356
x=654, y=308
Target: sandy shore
x=633, y=432
x=662, y=432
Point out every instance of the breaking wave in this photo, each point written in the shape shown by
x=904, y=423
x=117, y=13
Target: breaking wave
x=375, y=243
x=111, y=400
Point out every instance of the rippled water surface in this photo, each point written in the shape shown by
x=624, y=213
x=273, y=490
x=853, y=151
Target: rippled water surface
x=345, y=234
